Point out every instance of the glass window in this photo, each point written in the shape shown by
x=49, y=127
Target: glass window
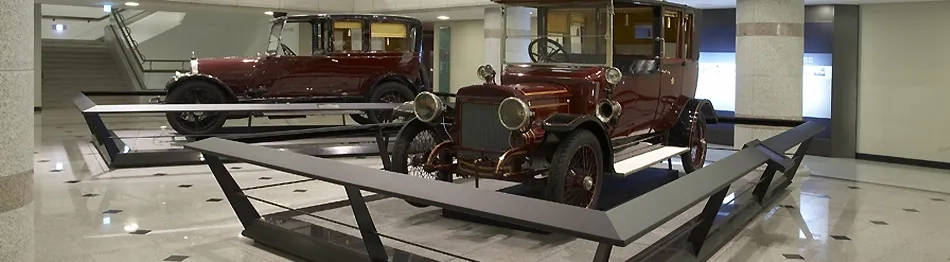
x=273, y=41
x=298, y=36
x=390, y=37
x=671, y=34
x=348, y=35
x=688, y=46
x=572, y=35
x=634, y=32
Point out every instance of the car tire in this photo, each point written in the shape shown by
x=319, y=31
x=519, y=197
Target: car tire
x=388, y=92
x=579, y=152
x=411, y=150
x=196, y=123
x=691, y=133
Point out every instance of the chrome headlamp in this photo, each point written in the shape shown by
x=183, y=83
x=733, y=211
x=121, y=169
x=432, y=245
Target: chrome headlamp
x=514, y=113
x=613, y=75
x=428, y=107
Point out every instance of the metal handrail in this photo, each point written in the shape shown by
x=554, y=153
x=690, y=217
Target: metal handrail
x=141, y=59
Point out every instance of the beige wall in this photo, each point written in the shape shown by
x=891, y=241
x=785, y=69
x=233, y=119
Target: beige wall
x=468, y=49
x=904, y=92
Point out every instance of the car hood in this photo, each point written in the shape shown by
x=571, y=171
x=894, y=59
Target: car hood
x=228, y=68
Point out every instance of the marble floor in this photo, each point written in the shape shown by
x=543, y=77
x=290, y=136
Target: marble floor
x=846, y=210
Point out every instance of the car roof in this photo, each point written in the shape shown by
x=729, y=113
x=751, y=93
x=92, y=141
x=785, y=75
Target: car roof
x=556, y=2
x=300, y=17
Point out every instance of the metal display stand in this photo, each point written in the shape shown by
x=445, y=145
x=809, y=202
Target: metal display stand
x=119, y=155
x=617, y=226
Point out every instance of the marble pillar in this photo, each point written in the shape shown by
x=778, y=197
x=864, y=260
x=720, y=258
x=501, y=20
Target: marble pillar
x=519, y=30
x=769, y=54
x=16, y=135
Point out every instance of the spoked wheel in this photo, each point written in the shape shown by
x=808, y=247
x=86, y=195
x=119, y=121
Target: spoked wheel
x=577, y=171
x=694, y=137
x=389, y=92
x=411, y=151
x=188, y=123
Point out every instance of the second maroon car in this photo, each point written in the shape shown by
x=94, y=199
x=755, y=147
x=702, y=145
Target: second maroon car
x=311, y=58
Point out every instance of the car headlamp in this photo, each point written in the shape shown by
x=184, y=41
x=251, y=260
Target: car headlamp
x=514, y=113
x=428, y=106
x=613, y=75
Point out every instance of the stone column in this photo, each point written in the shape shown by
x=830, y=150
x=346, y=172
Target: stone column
x=769, y=54
x=16, y=135
x=519, y=27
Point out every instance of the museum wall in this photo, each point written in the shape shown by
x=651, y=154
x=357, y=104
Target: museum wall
x=467, y=53
x=904, y=76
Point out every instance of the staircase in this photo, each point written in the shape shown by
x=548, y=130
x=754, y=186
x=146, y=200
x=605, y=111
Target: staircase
x=71, y=66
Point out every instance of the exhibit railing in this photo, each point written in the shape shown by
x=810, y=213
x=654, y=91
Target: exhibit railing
x=618, y=226
x=117, y=154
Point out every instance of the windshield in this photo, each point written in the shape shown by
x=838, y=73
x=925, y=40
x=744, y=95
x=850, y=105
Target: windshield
x=273, y=42
x=561, y=35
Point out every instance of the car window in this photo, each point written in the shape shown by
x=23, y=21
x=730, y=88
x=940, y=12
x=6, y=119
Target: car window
x=671, y=34
x=634, y=32
x=348, y=36
x=390, y=37
x=298, y=36
x=688, y=46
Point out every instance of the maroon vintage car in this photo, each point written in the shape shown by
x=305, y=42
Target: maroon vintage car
x=596, y=82
x=311, y=58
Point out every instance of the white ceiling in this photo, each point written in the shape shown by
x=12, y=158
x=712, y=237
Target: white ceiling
x=732, y=3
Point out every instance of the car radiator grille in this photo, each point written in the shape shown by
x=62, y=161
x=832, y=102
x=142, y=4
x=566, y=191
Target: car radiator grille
x=481, y=129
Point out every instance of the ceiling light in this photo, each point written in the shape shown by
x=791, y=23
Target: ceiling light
x=59, y=28
x=107, y=8
x=131, y=4
x=269, y=13
x=442, y=17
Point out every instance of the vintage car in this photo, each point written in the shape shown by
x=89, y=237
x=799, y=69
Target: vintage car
x=309, y=58
x=597, y=82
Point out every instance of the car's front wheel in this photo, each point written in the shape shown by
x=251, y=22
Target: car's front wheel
x=388, y=92
x=196, y=92
x=577, y=171
x=692, y=134
x=411, y=151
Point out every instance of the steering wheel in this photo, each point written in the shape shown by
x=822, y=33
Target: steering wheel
x=286, y=50
x=539, y=54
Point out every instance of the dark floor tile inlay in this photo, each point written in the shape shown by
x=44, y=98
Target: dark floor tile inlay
x=912, y=210
x=793, y=256
x=299, y=190
x=159, y=174
x=878, y=222
x=236, y=167
x=184, y=186
x=112, y=211
x=840, y=237
x=43, y=160
x=854, y=187
x=90, y=195
x=140, y=232
x=213, y=200
x=265, y=178
x=788, y=206
x=72, y=181
x=175, y=258
x=938, y=199
x=56, y=170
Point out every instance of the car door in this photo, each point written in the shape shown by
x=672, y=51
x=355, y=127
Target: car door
x=672, y=68
x=636, y=34
x=297, y=75
x=341, y=71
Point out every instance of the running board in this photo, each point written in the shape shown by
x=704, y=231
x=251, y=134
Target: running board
x=640, y=162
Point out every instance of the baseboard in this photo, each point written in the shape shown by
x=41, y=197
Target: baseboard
x=37, y=109
x=903, y=161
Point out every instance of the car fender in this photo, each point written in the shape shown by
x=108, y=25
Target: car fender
x=180, y=79
x=560, y=124
x=698, y=106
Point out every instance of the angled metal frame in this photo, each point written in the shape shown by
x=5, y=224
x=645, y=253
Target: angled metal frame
x=118, y=155
x=618, y=226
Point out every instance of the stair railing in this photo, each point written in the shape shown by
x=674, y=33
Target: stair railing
x=145, y=64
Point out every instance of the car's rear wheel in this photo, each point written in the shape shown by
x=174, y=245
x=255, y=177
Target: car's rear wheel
x=692, y=134
x=196, y=92
x=411, y=151
x=577, y=171
x=388, y=92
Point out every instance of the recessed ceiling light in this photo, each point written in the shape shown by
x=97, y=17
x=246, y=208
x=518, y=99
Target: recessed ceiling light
x=131, y=4
x=107, y=8
x=269, y=13
x=59, y=28
x=442, y=17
